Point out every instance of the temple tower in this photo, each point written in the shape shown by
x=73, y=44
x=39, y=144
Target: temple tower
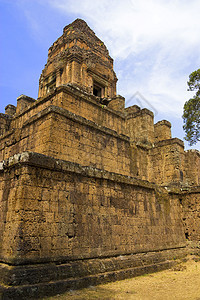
x=80, y=58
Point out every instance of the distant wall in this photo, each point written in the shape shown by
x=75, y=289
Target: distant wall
x=167, y=162
x=190, y=202
x=192, y=167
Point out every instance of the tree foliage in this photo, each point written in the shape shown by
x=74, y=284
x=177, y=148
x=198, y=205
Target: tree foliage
x=191, y=110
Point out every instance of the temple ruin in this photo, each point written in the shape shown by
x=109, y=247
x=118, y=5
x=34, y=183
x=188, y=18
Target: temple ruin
x=90, y=190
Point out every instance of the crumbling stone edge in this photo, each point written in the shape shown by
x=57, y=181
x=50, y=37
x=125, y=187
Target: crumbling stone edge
x=47, y=162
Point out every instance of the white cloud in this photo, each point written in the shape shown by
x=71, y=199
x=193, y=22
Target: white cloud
x=166, y=33
x=139, y=23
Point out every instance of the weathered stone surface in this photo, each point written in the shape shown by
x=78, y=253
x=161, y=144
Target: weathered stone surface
x=190, y=202
x=23, y=101
x=81, y=58
x=59, y=210
x=10, y=110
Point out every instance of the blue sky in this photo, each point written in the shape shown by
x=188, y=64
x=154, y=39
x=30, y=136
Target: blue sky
x=155, y=45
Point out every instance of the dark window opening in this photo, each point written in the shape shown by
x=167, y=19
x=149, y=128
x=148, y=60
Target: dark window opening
x=98, y=90
x=187, y=235
x=52, y=79
x=50, y=86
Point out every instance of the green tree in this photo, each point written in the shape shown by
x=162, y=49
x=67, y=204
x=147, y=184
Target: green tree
x=191, y=110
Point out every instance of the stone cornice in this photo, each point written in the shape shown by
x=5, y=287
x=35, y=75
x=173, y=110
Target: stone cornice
x=65, y=113
x=47, y=162
x=169, y=142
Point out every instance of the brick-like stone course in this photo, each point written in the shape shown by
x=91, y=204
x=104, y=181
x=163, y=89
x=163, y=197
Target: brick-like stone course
x=190, y=202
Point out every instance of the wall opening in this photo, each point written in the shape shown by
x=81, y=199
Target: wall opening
x=51, y=83
x=98, y=90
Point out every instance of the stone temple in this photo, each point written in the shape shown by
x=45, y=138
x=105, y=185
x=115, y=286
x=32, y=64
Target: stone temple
x=90, y=191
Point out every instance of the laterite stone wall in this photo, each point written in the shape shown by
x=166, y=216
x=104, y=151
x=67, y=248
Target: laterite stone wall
x=54, y=211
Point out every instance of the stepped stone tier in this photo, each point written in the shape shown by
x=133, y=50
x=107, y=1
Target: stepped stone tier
x=90, y=191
